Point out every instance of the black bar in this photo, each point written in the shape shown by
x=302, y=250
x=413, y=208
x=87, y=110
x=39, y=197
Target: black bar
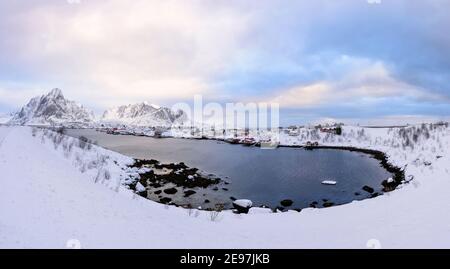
x=222, y=258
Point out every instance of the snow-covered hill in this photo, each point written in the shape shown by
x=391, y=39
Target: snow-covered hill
x=52, y=109
x=54, y=198
x=143, y=114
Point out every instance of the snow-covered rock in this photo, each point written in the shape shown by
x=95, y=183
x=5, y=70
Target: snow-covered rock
x=52, y=109
x=140, y=187
x=242, y=205
x=143, y=114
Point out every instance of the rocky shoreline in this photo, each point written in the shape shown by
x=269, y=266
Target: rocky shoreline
x=176, y=178
x=397, y=172
x=160, y=182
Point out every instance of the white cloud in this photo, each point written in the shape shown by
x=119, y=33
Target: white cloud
x=122, y=51
x=104, y=53
x=365, y=84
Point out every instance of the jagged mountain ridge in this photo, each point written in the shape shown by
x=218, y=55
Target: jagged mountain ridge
x=143, y=114
x=52, y=109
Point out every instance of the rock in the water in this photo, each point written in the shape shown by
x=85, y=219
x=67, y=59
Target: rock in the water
x=165, y=200
x=286, y=202
x=157, y=192
x=242, y=205
x=170, y=191
x=389, y=185
x=207, y=201
x=375, y=195
x=368, y=189
x=189, y=193
x=243, y=202
x=328, y=204
x=155, y=185
x=232, y=198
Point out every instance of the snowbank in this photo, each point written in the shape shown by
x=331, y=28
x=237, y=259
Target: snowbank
x=48, y=200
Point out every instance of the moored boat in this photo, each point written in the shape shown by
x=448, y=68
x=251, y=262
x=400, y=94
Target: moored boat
x=248, y=141
x=269, y=144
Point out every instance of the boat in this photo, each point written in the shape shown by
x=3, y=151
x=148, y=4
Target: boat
x=329, y=182
x=232, y=140
x=269, y=144
x=310, y=145
x=248, y=141
x=112, y=131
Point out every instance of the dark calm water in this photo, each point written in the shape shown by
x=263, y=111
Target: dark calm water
x=264, y=176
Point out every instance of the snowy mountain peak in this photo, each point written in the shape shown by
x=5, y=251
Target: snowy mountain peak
x=52, y=109
x=56, y=93
x=145, y=103
x=143, y=114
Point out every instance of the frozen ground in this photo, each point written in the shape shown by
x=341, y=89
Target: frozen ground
x=53, y=196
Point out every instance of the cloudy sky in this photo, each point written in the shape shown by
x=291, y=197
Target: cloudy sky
x=361, y=61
